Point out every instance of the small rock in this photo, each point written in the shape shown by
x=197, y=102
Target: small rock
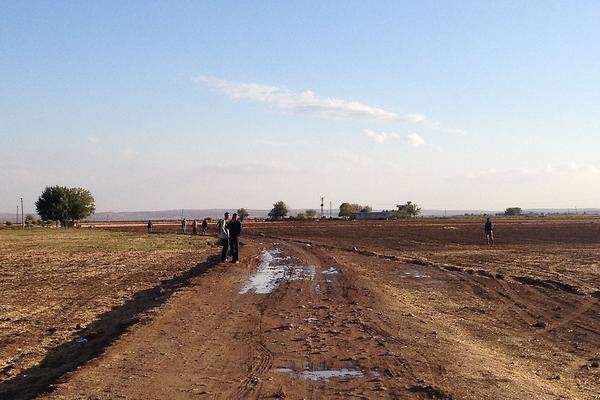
x=539, y=324
x=595, y=364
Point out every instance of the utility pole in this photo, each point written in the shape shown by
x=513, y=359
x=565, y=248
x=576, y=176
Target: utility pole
x=322, y=199
x=22, y=214
x=330, y=210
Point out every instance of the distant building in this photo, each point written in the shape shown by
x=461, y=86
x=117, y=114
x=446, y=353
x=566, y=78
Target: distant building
x=373, y=215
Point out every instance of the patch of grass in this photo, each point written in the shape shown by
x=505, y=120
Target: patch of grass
x=91, y=241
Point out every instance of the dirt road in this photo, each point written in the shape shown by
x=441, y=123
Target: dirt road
x=307, y=322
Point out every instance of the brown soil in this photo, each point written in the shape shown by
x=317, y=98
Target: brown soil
x=461, y=321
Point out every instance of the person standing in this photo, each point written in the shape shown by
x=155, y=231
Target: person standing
x=204, y=226
x=235, y=229
x=224, y=235
x=183, y=225
x=150, y=226
x=195, y=227
x=489, y=231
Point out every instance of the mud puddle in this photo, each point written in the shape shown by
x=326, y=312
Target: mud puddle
x=273, y=269
x=330, y=271
x=325, y=374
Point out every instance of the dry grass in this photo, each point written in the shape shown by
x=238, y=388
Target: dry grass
x=56, y=282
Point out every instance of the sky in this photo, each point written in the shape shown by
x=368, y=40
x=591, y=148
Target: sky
x=168, y=105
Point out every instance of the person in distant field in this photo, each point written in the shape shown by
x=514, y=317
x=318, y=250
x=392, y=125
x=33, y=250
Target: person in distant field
x=195, y=227
x=222, y=226
x=204, y=226
x=235, y=229
x=150, y=226
x=489, y=231
x=183, y=226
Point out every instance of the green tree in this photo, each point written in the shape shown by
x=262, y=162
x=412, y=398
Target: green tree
x=407, y=210
x=242, y=213
x=62, y=204
x=80, y=204
x=513, y=211
x=348, y=209
x=300, y=216
x=280, y=210
x=311, y=213
x=29, y=220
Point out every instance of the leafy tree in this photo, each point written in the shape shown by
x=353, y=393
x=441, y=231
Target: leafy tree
x=52, y=204
x=242, y=213
x=300, y=216
x=280, y=210
x=29, y=220
x=348, y=209
x=408, y=210
x=80, y=204
x=311, y=213
x=62, y=204
x=513, y=211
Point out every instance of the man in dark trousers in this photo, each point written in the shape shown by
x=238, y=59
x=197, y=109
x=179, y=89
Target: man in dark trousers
x=235, y=229
x=223, y=227
x=489, y=231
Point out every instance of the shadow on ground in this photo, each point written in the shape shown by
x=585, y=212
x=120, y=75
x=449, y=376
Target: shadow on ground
x=94, y=339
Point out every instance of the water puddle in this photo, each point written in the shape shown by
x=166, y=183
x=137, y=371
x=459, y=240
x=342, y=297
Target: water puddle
x=330, y=271
x=274, y=268
x=306, y=272
x=414, y=274
x=325, y=374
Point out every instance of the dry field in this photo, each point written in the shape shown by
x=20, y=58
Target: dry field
x=60, y=286
x=332, y=309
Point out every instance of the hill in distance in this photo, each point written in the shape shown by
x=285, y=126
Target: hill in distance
x=257, y=213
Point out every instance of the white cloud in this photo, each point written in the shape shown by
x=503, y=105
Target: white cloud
x=415, y=140
x=380, y=137
x=268, y=142
x=130, y=154
x=250, y=168
x=571, y=169
x=306, y=102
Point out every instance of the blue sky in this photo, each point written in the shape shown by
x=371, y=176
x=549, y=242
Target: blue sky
x=229, y=104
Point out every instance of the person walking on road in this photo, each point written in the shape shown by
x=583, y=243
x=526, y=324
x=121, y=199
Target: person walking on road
x=235, y=229
x=183, y=226
x=195, y=227
x=489, y=232
x=224, y=235
x=204, y=226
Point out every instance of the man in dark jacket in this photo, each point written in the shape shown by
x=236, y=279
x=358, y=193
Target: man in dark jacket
x=489, y=231
x=235, y=229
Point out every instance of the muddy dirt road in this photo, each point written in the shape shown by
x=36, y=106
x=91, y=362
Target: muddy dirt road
x=309, y=322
